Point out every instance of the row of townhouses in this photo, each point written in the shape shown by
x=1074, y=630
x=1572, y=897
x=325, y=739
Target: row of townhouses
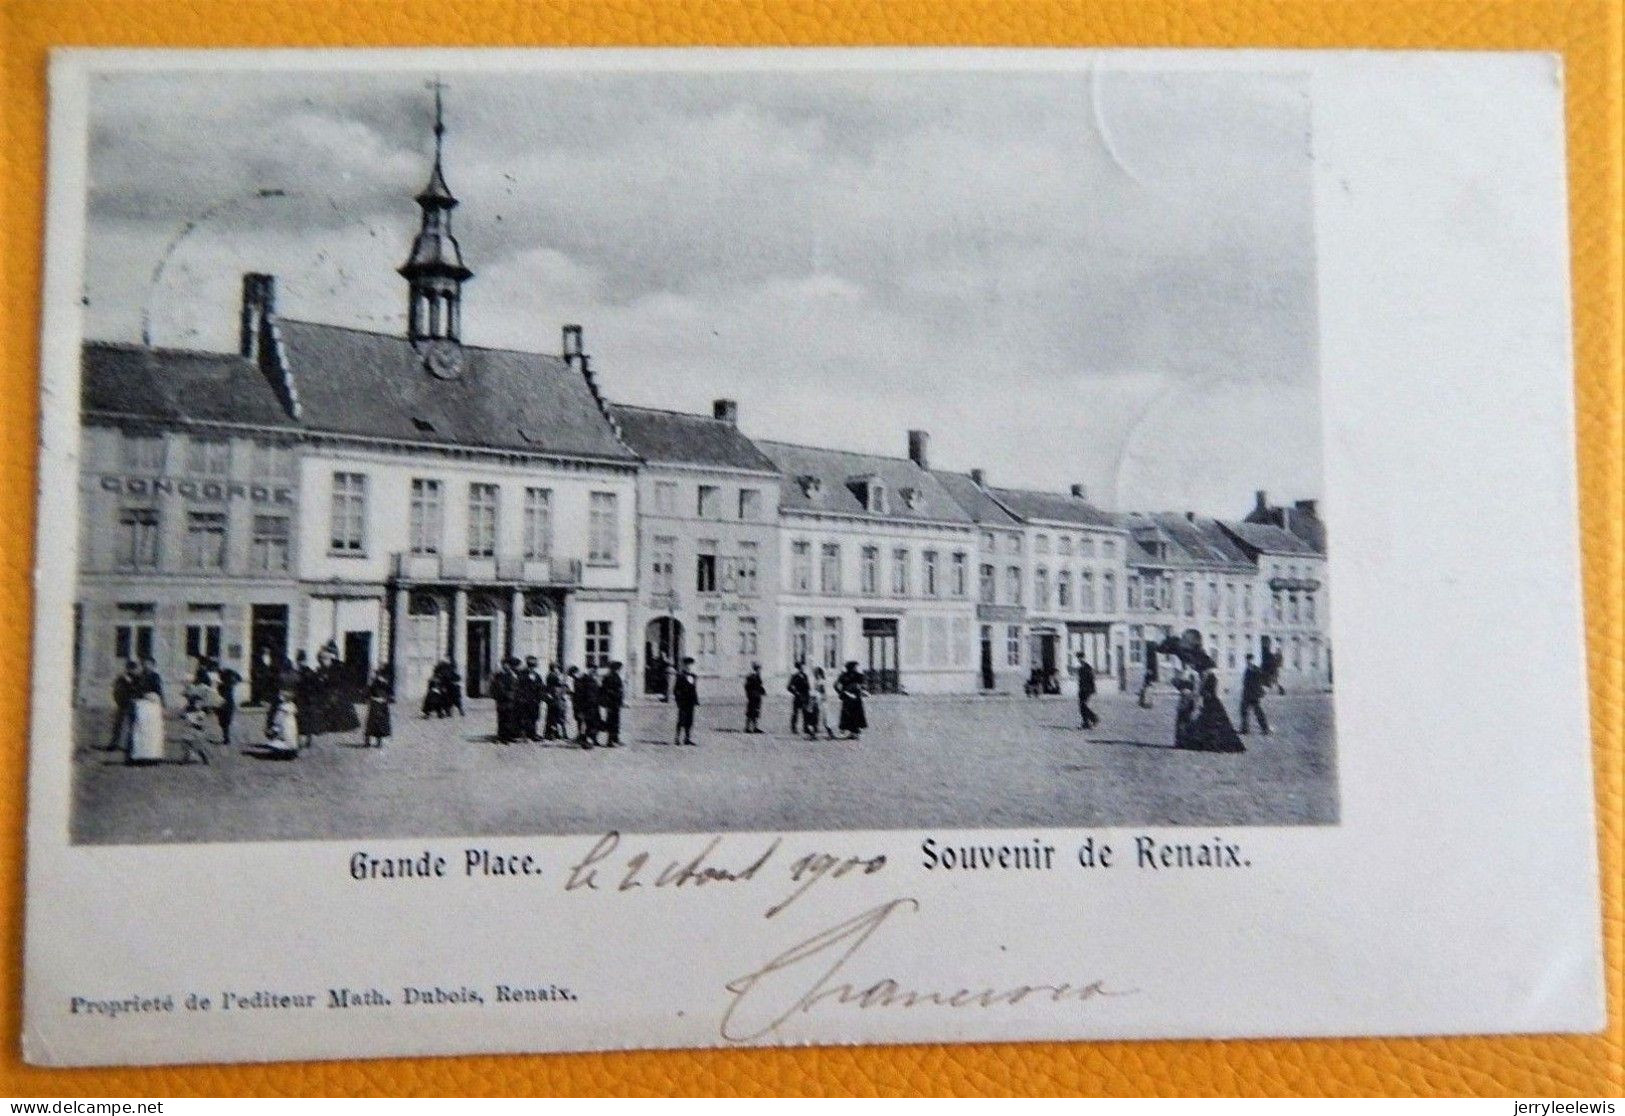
x=413, y=498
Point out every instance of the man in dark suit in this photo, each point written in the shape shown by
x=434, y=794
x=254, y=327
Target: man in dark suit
x=505, y=691
x=611, y=696
x=686, y=693
x=755, y=691
x=799, y=688
x=585, y=699
x=124, y=695
x=530, y=691
x=1086, y=691
x=1252, y=697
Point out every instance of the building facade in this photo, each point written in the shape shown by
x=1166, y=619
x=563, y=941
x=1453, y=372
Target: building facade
x=708, y=537
x=876, y=568
x=1070, y=576
x=189, y=514
x=1293, y=599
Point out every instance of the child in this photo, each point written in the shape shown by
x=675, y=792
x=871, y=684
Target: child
x=282, y=727
x=378, y=699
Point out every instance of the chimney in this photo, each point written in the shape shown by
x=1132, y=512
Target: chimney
x=919, y=441
x=1080, y=492
x=1190, y=517
x=1306, y=508
x=573, y=355
x=726, y=410
x=1261, y=500
x=259, y=304
x=978, y=477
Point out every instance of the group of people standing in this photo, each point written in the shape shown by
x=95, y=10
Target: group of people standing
x=809, y=701
x=305, y=701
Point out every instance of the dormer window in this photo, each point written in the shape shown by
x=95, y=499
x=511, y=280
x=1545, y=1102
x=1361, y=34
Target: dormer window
x=811, y=487
x=870, y=492
x=911, y=497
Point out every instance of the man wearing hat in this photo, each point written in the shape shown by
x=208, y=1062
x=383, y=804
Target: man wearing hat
x=505, y=689
x=611, y=696
x=531, y=689
x=755, y=690
x=686, y=693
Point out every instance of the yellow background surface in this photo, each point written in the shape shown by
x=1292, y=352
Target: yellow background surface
x=1586, y=32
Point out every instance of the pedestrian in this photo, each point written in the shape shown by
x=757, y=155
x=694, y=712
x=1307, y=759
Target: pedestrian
x=505, y=691
x=306, y=698
x=124, y=695
x=200, y=696
x=558, y=701
x=282, y=727
x=228, y=683
x=147, y=717
x=1252, y=697
x=813, y=712
x=611, y=696
x=333, y=693
x=686, y=692
x=849, y=688
x=798, y=688
x=532, y=690
x=585, y=699
x=755, y=690
x=434, y=701
x=1149, y=679
x=380, y=693
x=1208, y=727
x=1086, y=691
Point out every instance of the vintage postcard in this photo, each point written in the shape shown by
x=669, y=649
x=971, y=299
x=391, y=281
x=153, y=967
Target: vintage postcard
x=589, y=549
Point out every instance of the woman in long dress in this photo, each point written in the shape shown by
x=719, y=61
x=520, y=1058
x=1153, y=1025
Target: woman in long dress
x=1209, y=728
x=147, y=738
x=282, y=727
x=849, y=687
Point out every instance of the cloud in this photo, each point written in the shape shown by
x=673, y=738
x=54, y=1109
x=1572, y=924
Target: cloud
x=1023, y=261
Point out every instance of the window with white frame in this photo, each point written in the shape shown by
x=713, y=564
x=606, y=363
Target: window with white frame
x=206, y=540
x=272, y=534
x=208, y=457
x=138, y=538
x=1012, y=645
x=1012, y=585
x=662, y=563
x=869, y=571
x=959, y=584
x=424, y=516
x=349, y=513
x=705, y=566
x=603, y=529
x=749, y=565
x=899, y=572
x=482, y=520
x=801, y=566
x=1063, y=590
x=708, y=501
x=750, y=504
x=931, y=574
x=829, y=568
x=665, y=497
x=598, y=643
x=538, y=522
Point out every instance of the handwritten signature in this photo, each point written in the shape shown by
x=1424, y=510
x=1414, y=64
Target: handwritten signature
x=762, y=994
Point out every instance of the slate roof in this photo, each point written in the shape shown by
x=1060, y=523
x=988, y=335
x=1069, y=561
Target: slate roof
x=1053, y=507
x=835, y=468
x=1269, y=539
x=981, y=507
x=1201, y=540
x=175, y=385
x=675, y=437
x=353, y=381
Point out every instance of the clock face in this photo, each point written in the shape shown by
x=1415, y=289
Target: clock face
x=443, y=358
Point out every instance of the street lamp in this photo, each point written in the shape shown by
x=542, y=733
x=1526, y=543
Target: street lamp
x=175, y=242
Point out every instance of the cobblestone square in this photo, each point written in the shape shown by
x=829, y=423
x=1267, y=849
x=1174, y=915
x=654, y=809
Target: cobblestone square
x=973, y=762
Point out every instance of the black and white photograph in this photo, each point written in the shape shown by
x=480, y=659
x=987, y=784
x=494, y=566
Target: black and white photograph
x=555, y=452
x=591, y=549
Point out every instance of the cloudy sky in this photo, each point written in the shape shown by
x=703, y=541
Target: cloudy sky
x=1065, y=276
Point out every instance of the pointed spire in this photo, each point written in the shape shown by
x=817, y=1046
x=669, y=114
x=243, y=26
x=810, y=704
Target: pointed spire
x=435, y=270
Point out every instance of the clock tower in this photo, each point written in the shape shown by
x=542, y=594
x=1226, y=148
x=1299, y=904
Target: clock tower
x=434, y=272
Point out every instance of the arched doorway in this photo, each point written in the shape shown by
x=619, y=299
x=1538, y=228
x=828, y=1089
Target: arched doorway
x=662, y=649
